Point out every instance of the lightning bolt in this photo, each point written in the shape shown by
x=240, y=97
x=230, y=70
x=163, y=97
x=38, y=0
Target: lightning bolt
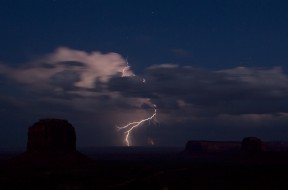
x=125, y=69
x=132, y=125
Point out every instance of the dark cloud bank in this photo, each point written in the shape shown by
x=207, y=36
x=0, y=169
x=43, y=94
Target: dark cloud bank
x=88, y=89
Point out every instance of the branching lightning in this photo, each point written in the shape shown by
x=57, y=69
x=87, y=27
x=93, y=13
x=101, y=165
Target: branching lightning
x=132, y=125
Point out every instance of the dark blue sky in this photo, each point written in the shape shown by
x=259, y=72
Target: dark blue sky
x=216, y=34
x=235, y=50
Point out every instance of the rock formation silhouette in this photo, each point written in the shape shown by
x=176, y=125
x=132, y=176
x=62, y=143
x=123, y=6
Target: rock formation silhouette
x=195, y=146
x=51, y=143
x=251, y=145
x=51, y=134
x=211, y=146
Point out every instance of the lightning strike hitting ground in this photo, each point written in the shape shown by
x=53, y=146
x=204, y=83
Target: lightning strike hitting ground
x=132, y=125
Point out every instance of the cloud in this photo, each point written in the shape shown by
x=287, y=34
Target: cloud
x=66, y=65
x=88, y=89
x=72, y=84
x=205, y=93
x=257, y=77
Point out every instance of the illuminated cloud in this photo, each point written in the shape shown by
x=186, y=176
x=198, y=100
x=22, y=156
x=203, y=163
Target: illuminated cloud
x=72, y=84
x=88, y=89
x=65, y=64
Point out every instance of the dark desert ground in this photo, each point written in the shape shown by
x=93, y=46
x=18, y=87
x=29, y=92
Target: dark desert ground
x=250, y=164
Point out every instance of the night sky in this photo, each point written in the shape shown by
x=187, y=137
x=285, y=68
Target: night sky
x=216, y=69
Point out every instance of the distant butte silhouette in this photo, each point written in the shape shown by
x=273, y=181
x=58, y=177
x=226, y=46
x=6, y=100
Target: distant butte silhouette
x=196, y=146
x=51, y=143
x=251, y=145
x=51, y=134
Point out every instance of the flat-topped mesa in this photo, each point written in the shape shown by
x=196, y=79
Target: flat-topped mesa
x=51, y=135
x=211, y=146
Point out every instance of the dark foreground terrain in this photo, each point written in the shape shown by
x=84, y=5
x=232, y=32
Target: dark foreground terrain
x=146, y=168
